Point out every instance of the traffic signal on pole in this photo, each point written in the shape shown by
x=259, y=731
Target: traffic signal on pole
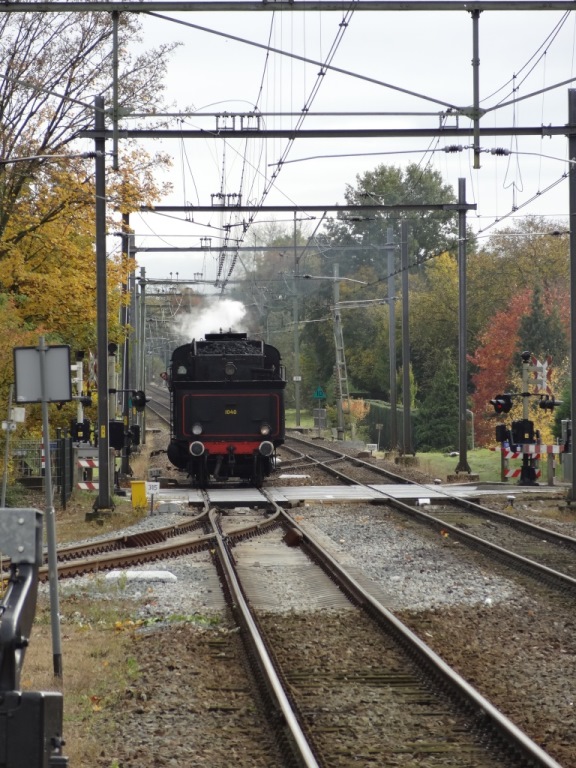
x=502, y=434
x=139, y=400
x=502, y=403
x=135, y=434
x=548, y=403
x=522, y=431
x=116, y=434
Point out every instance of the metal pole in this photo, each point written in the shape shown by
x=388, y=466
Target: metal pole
x=125, y=321
x=50, y=521
x=104, y=500
x=133, y=367
x=7, y=447
x=525, y=385
x=392, y=339
x=572, y=210
x=338, y=337
x=406, y=393
x=80, y=390
x=463, y=465
x=115, y=17
x=472, y=440
x=297, y=377
x=142, y=349
x=112, y=384
x=476, y=85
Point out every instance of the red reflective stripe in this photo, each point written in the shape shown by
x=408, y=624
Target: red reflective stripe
x=240, y=447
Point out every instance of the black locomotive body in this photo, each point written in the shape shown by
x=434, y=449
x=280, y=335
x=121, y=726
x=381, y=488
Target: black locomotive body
x=227, y=404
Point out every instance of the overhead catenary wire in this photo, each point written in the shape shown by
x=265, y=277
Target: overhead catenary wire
x=547, y=41
x=289, y=160
x=324, y=66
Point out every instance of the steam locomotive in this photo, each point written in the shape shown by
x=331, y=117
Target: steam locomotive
x=227, y=408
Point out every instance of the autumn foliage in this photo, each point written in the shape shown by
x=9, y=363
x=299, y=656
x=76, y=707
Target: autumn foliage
x=498, y=365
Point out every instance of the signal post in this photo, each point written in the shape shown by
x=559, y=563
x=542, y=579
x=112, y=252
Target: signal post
x=522, y=439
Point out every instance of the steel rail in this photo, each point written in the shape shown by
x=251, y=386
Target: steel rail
x=164, y=547
x=123, y=558
x=513, y=522
x=130, y=540
x=427, y=657
x=298, y=740
x=359, y=462
x=502, y=555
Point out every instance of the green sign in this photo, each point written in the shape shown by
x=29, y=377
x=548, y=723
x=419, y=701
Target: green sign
x=319, y=394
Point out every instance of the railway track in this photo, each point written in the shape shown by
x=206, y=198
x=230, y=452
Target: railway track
x=299, y=644
x=511, y=624
x=159, y=403
x=345, y=673
x=341, y=466
x=540, y=552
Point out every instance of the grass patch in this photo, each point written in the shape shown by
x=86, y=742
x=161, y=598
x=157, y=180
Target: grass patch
x=306, y=418
x=71, y=524
x=98, y=666
x=482, y=462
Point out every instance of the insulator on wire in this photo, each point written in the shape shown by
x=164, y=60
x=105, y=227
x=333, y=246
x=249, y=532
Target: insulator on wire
x=499, y=151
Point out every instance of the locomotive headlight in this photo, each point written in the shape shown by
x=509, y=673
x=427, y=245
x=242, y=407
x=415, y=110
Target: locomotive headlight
x=229, y=369
x=197, y=429
x=265, y=429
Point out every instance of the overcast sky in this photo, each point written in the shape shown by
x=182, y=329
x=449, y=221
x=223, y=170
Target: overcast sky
x=427, y=54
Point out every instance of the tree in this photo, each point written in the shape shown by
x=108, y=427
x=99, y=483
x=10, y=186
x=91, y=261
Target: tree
x=50, y=271
x=499, y=370
x=430, y=232
x=12, y=328
x=514, y=260
x=494, y=359
x=541, y=331
x=436, y=424
x=51, y=65
x=434, y=317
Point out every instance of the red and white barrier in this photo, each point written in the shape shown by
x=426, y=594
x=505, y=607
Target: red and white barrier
x=536, y=451
x=87, y=486
x=517, y=472
x=86, y=466
x=88, y=463
x=531, y=448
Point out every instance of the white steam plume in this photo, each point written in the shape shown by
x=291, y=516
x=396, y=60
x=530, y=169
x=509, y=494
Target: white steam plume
x=214, y=316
